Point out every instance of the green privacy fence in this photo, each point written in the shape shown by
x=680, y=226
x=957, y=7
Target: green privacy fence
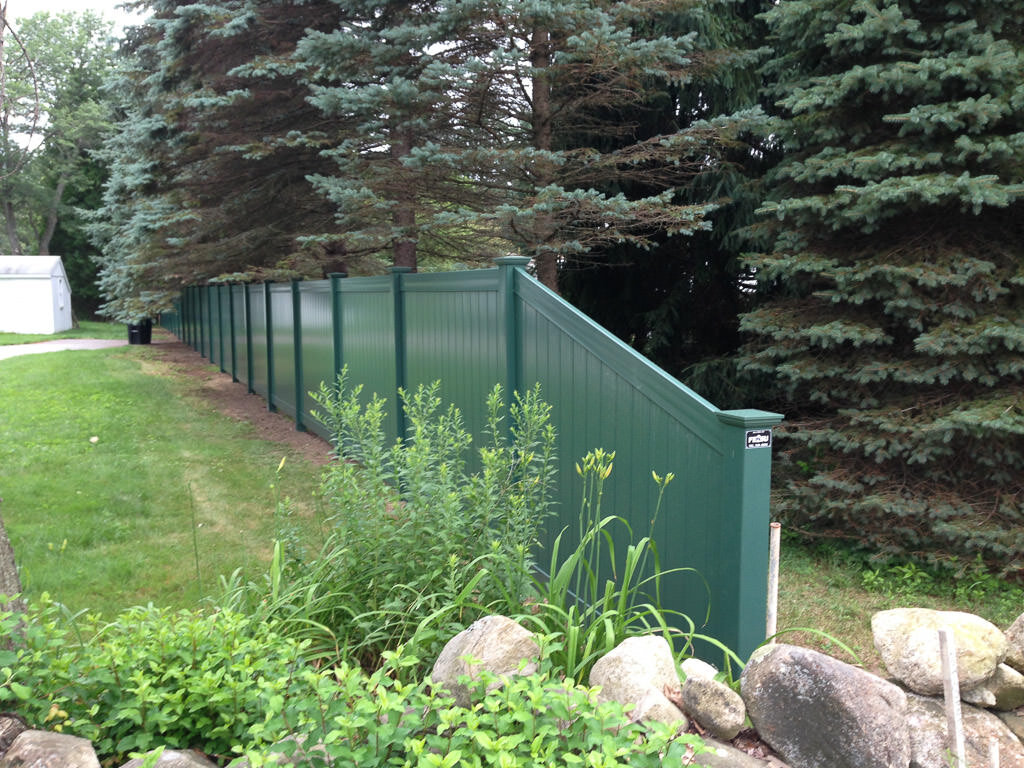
x=473, y=329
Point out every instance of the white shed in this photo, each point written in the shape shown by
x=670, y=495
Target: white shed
x=34, y=295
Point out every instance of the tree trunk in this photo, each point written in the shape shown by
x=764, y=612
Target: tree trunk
x=12, y=229
x=51, y=217
x=545, y=259
x=404, y=215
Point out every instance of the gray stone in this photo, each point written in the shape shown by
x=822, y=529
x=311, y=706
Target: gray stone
x=819, y=712
x=1015, y=643
x=1014, y=721
x=722, y=755
x=494, y=643
x=45, y=749
x=640, y=671
x=11, y=725
x=173, y=758
x=1003, y=691
x=926, y=718
x=716, y=706
x=907, y=639
x=694, y=667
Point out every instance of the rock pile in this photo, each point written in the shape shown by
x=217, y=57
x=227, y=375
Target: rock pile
x=815, y=711
x=812, y=710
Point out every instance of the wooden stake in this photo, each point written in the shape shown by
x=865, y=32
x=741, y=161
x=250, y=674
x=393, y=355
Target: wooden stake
x=951, y=689
x=993, y=753
x=773, y=580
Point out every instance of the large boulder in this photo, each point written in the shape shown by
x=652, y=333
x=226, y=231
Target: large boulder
x=641, y=671
x=926, y=718
x=907, y=639
x=45, y=749
x=1015, y=644
x=816, y=711
x=493, y=643
x=1003, y=691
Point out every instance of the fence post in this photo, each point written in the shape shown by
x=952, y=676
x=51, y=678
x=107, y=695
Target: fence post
x=247, y=310
x=398, y=299
x=746, y=477
x=204, y=299
x=220, y=327
x=507, y=266
x=183, y=330
x=234, y=342
x=297, y=346
x=336, y=323
x=270, y=348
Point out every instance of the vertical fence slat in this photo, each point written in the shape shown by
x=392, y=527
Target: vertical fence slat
x=507, y=287
x=268, y=313
x=297, y=349
x=398, y=302
x=234, y=341
x=337, y=328
x=220, y=327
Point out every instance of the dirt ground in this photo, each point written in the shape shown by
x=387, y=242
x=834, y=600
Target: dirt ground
x=231, y=398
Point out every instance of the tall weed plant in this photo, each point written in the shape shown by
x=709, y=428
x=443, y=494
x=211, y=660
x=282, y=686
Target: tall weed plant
x=593, y=598
x=417, y=546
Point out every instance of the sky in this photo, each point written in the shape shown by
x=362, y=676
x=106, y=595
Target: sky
x=108, y=8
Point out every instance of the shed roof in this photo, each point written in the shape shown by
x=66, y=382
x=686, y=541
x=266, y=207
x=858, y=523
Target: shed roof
x=31, y=266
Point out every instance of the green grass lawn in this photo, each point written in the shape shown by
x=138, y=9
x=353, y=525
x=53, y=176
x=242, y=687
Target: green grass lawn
x=86, y=329
x=114, y=482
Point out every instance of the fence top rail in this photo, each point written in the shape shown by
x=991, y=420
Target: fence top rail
x=464, y=280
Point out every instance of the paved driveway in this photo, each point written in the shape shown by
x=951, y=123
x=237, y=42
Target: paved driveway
x=58, y=345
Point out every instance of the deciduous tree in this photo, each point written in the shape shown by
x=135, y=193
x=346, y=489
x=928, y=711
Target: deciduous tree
x=53, y=114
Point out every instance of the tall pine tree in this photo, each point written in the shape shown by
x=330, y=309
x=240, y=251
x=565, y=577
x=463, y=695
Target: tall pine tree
x=205, y=182
x=895, y=263
x=678, y=300
x=451, y=111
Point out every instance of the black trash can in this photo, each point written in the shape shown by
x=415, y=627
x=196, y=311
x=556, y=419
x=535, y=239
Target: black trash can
x=140, y=332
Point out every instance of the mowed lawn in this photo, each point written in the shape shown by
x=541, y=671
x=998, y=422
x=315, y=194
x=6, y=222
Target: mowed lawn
x=120, y=487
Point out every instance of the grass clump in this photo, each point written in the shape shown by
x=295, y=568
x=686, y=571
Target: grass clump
x=592, y=598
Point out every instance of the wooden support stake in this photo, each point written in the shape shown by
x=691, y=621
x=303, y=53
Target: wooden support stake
x=773, y=580
x=951, y=689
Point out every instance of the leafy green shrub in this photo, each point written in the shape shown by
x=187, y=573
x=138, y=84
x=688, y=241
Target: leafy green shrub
x=150, y=678
x=418, y=545
x=536, y=720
